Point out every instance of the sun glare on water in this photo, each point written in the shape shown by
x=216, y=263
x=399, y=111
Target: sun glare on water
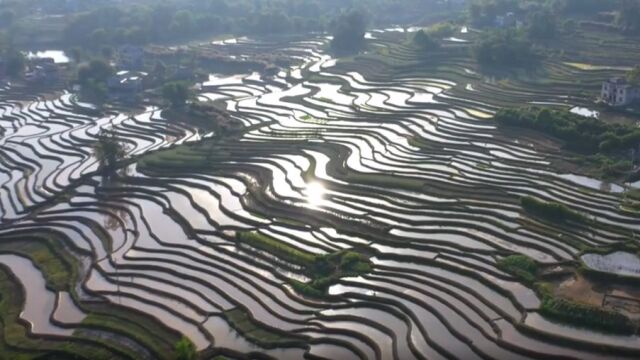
x=315, y=194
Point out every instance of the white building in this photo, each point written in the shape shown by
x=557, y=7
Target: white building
x=618, y=92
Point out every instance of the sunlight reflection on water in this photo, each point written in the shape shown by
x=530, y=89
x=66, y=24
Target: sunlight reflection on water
x=315, y=194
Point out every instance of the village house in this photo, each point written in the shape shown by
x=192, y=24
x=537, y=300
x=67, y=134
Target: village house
x=126, y=84
x=618, y=92
x=42, y=70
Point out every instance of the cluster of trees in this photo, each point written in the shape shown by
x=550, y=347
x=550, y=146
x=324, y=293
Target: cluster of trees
x=425, y=41
x=627, y=11
x=538, y=17
x=542, y=17
x=140, y=23
x=429, y=39
x=582, y=134
x=176, y=93
x=586, y=315
x=484, y=12
x=504, y=48
x=109, y=149
x=542, y=25
x=93, y=79
x=13, y=60
x=350, y=28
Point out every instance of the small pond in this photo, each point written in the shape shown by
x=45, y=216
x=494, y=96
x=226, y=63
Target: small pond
x=620, y=262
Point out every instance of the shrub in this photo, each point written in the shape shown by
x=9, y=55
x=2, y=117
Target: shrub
x=582, y=134
x=185, y=350
x=520, y=266
x=424, y=41
x=586, y=315
x=504, y=49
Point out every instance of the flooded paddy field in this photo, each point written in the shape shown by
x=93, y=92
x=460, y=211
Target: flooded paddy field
x=400, y=166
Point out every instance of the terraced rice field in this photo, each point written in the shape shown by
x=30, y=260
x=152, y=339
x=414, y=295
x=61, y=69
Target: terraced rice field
x=360, y=155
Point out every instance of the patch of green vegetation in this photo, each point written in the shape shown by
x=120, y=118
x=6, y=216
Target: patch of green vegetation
x=313, y=120
x=291, y=222
x=306, y=289
x=604, y=167
x=252, y=330
x=631, y=200
x=521, y=266
x=586, y=315
x=425, y=41
x=504, y=48
x=130, y=328
x=185, y=350
x=561, y=309
x=277, y=247
x=324, y=270
x=184, y=157
x=633, y=194
x=442, y=29
x=586, y=135
x=550, y=211
x=58, y=269
x=15, y=343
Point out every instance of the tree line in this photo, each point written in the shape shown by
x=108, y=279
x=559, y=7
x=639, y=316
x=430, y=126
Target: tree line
x=99, y=22
x=581, y=134
x=545, y=16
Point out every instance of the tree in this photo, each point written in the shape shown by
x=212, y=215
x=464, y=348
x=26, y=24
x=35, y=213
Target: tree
x=542, y=25
x=185, y=350
x=182, y=23
x=503, y=48
x=425, y=41
x=76, y=53
x=107, y=52
x=98, y=70
x=108, y=150
x=95, y=92
x=348, y=36
x=176, y=93
x=15, y=63
x=98, y=38
x=93, y=78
